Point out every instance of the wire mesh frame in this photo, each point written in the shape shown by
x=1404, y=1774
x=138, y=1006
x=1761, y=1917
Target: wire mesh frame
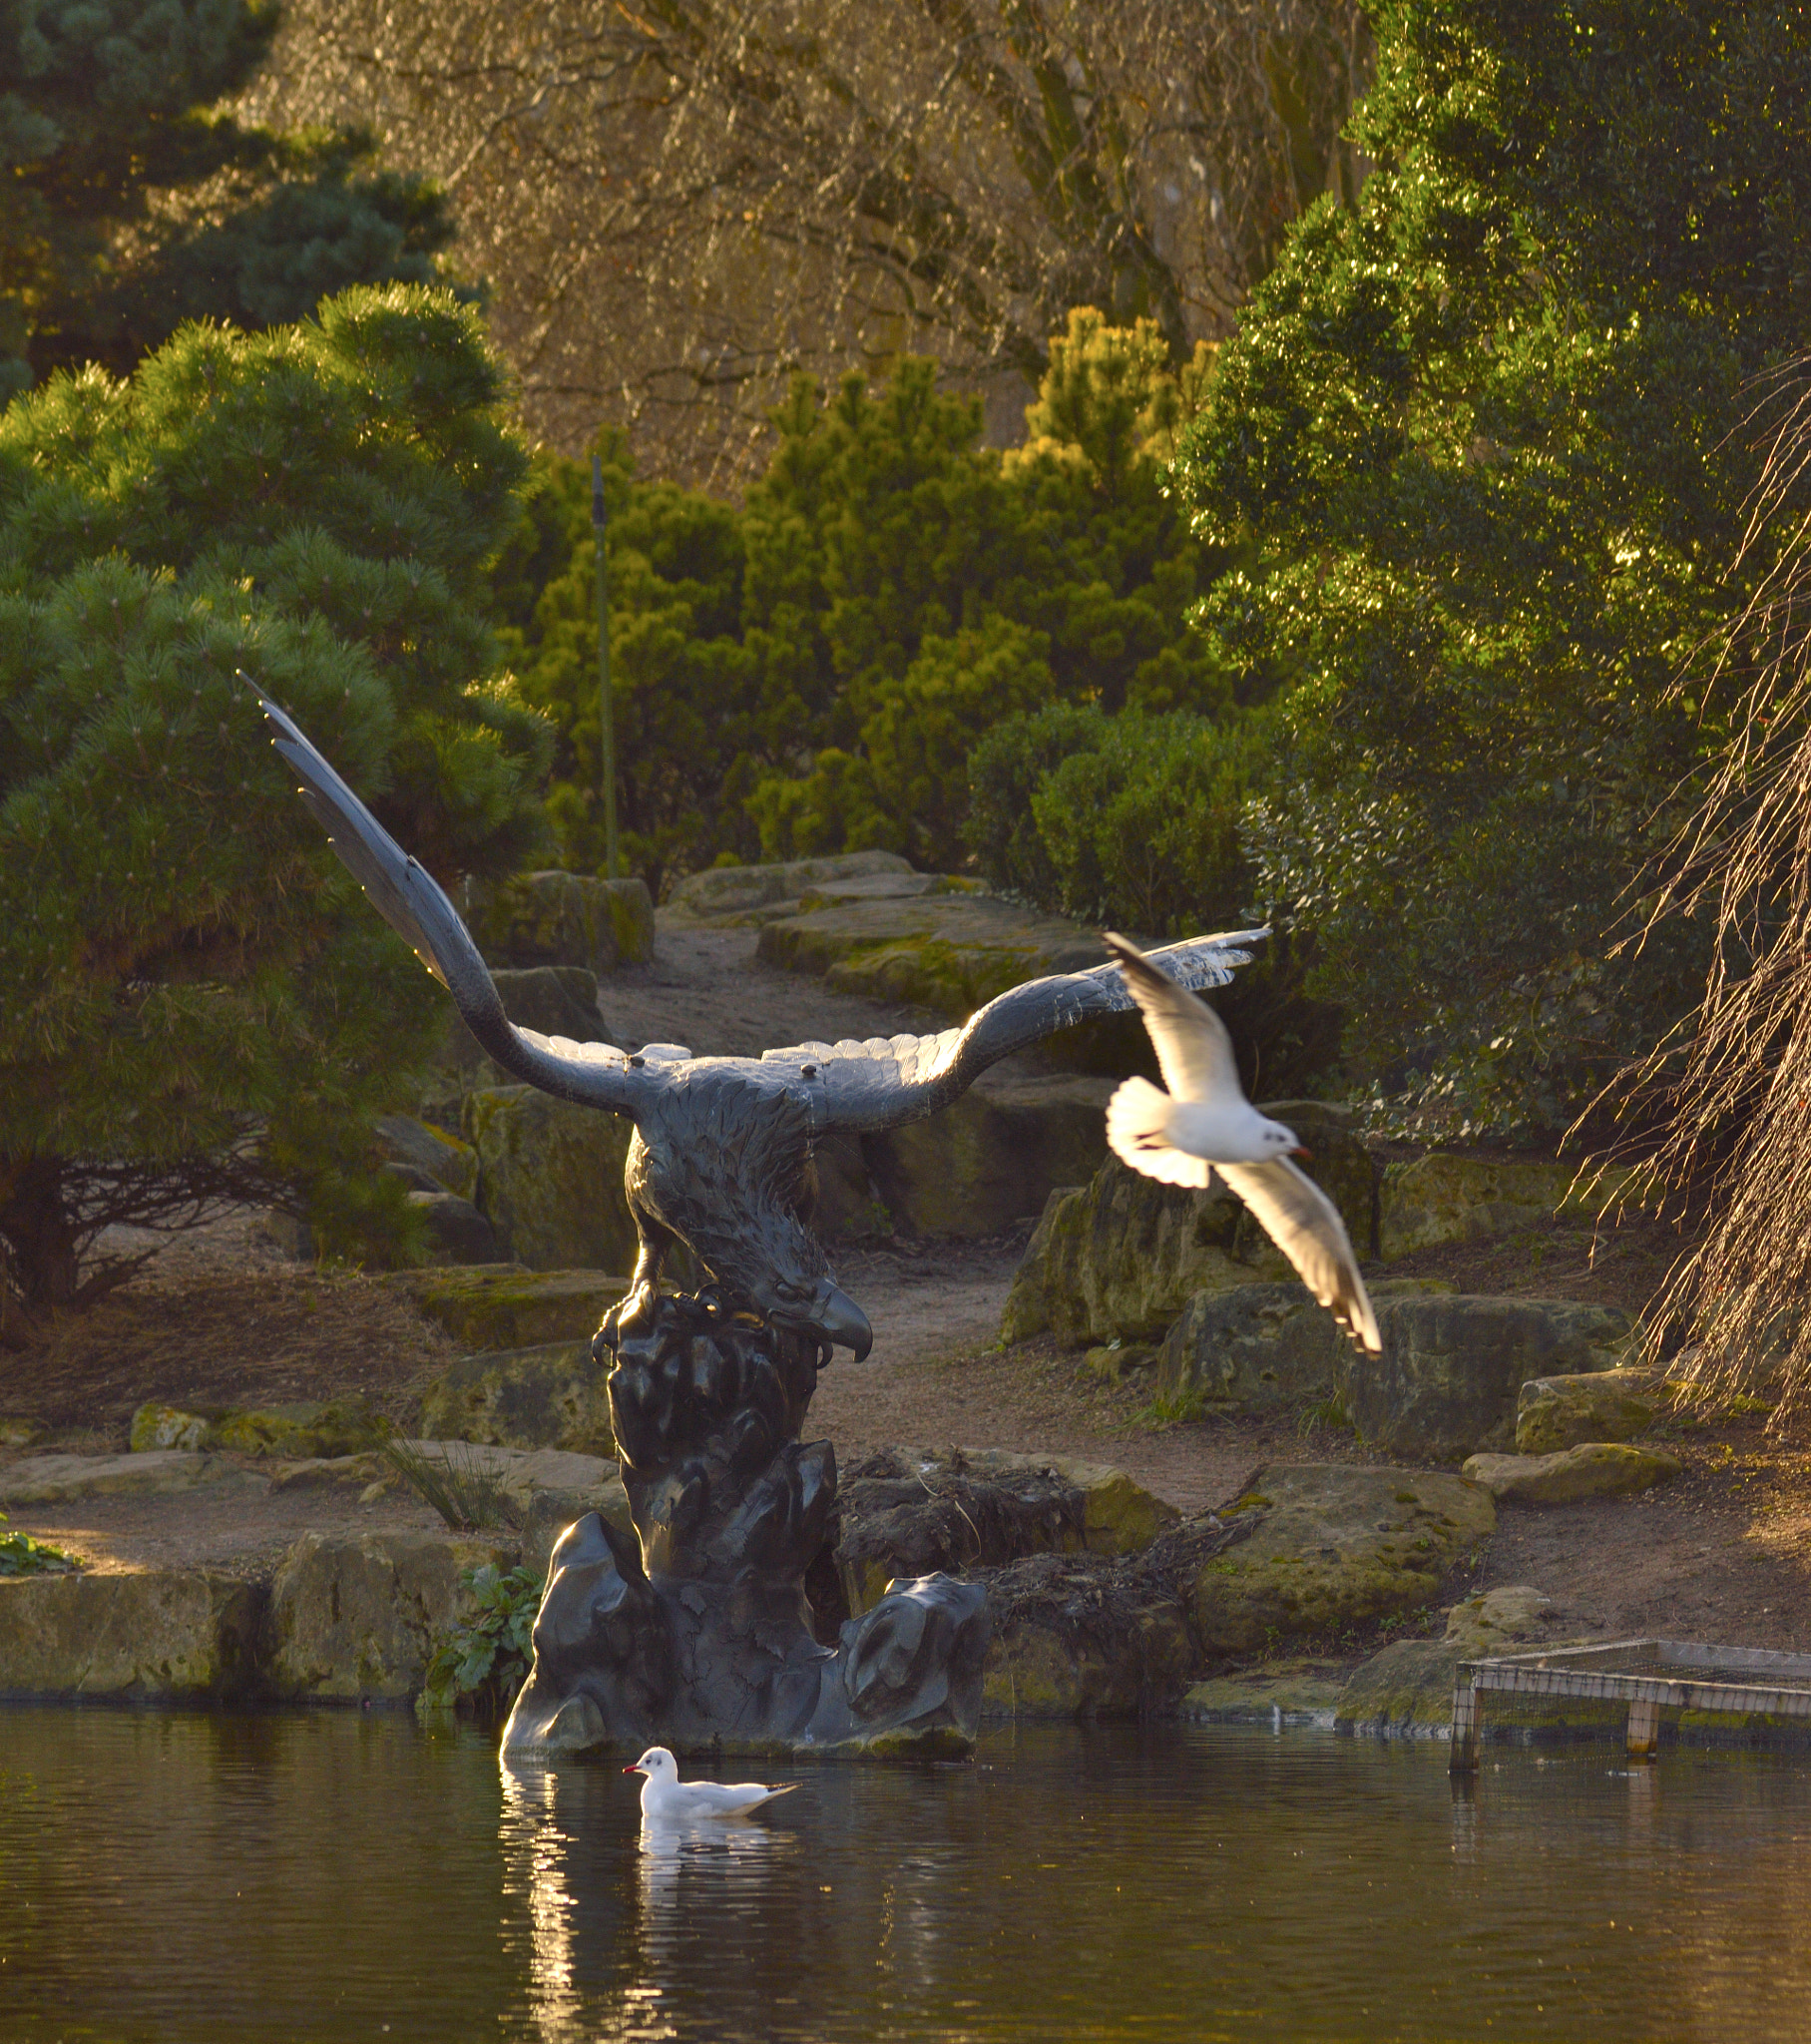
x=1743, y=1681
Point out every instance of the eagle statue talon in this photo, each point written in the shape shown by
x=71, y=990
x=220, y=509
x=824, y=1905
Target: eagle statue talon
x=709, y=1639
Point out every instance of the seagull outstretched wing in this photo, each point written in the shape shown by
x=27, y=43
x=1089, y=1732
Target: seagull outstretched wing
x=415, y=904
x=1305, y=1224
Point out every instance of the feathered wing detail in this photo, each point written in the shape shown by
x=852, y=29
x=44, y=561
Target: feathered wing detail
x=1305, y=1224
x=415, y=905
x=1194, y=1052
x=1137, y=1132
x=888, y=1080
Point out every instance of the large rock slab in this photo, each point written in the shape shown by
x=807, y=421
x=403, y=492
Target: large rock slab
x=297, y=1432
x=1406, y=1689
x=1332, y=1545
x=548, y=1396
x=154, y=1636
x=1594, y=1469
x=64, y=1479
x=912, y=1511
x=556, y=918
x=1462, y=1196
x=506, y=1305
x=1122, y=1258
x=358, y=1616
x=993, y=1156
x=549, y=1178
x=1260, y=1347
x=1452, y=1368
x=1553, y=1414
x=725, y=896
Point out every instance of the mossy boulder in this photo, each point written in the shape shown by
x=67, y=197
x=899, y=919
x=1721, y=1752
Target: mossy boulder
x=1059, y=1651
x=729, y=895
x=17, y=1430
x=1452, y=1368
x=1294, y=1692
x=1605, y=1406
x=993, y=1156
x=1462, y=1196
x=505, y=1306
x=549, y=1178
x=1593, y=1469
x=1333, y=1545
x=952, y=950
x=1262, y=1346
x=1123, y=1257
x=557, y=918
x=356, y=1617
x=1407, y=1687
x=156, y=1635
x=338, y=1426
x=547, y=1396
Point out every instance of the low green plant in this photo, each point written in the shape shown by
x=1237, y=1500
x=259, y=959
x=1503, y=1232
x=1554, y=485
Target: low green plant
x=457, y=1482
x=484, y=1660
x=1330, y=1412
x=21, y=1555
x=1181, y=1411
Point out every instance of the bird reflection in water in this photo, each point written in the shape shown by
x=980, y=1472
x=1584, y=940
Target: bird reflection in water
x=618, y=1942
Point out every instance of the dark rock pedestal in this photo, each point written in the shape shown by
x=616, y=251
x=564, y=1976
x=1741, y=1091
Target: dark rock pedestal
x=700, y=1636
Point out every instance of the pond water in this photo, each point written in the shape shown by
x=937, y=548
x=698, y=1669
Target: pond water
x=328, y=1876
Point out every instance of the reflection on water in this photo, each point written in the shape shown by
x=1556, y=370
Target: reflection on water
x=325, y=1876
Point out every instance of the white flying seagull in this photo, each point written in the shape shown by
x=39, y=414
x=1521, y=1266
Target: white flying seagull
x=665, y=1799
x=1205, y=1123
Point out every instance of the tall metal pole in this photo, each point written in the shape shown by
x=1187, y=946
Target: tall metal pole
x=607, y=747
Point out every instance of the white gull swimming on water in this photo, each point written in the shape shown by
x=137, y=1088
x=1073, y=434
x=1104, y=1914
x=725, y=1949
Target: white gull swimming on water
x=1205, y=1123
x=667, y=1800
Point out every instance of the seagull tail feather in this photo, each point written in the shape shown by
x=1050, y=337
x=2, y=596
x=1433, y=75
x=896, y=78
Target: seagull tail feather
x=1137, y=1132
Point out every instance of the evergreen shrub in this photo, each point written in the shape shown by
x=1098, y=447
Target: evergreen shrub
x=198, y=1003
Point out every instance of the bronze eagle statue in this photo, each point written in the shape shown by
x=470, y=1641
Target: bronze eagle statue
x=721, y=1157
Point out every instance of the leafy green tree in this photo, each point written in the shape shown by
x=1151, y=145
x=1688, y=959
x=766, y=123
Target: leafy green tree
x=1478, y=444
x=198, y=1004
x=135, y=204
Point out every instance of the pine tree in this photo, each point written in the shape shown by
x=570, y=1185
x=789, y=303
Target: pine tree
x=809, y=672
x=198, y=1003
x=135, y=204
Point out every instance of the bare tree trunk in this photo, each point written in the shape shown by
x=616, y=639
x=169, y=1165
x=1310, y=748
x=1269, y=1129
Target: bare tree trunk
x=39, y=1236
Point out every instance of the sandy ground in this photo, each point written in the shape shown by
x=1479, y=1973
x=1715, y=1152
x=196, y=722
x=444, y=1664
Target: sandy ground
x=1725, y=1553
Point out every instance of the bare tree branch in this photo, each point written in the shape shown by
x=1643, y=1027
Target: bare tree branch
x=677, y=203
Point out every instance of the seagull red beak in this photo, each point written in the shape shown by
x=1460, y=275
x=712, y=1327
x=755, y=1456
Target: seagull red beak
x=635, y=1770
x=1301, y=1149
